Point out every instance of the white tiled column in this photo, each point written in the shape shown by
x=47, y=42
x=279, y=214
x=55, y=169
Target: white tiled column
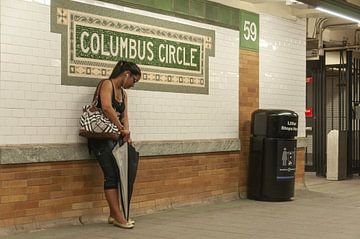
x=283, y=65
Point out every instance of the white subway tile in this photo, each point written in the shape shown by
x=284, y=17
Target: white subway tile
x=10, y=139
x=6, y=130
x=154, y=115
x=282, y=65
x=37, y=139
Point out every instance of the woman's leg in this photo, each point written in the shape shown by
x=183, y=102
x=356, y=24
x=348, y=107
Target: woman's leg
x=112, y=213
x=112, y=197
x=103, y=153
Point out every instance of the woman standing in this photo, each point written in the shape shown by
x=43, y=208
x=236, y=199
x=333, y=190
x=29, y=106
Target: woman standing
x=113, y=102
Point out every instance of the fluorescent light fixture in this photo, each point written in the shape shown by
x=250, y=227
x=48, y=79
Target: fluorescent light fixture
x=290, y=2
x=338, y=14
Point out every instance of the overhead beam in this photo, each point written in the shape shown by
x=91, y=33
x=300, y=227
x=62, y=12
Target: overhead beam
x=338, y=6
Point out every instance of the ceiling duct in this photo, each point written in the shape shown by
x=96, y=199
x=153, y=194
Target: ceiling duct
x=355, y=2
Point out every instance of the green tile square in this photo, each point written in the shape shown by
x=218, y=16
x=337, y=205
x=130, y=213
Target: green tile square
x=211, y=11
x=224, y=15
x=181, y=6
x=235, y=21
x=166, y=5
x=197, y=8
x=148, y=3
x=249, y=30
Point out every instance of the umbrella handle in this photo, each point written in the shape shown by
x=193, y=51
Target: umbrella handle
x=121, y=140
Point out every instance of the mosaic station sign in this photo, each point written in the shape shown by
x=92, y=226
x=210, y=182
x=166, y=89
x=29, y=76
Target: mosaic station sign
x=173, y=57
x=95, y=43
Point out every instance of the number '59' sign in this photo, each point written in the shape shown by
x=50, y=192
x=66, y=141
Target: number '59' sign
x=249, y=30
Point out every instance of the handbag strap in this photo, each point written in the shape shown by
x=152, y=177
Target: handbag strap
x=97, y=91
x=96, y=97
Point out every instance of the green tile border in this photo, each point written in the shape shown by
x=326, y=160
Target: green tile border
x=181, y=6
x=136, y=18
x=197, y=8
x=203, y=11
x=165, y=5
x=189, y=13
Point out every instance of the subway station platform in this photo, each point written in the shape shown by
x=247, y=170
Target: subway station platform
x=322, y=209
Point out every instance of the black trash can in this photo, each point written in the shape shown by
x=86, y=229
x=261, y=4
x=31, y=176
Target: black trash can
x=272, y=160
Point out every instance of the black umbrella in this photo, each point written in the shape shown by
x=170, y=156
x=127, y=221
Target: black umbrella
x=133, y=161
x=127, y=159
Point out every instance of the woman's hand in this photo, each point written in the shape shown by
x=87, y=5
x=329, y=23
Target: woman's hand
x=120, y=128
x=129, y=140
x=126, y=134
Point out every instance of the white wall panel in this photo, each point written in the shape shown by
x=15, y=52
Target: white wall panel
x=41, y=110
x=283, y=65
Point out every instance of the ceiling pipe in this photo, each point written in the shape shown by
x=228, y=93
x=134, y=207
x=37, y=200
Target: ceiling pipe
x=322, y=29
x=356, y=42
x=320, y=36
x=341, y=48
x=317, y=27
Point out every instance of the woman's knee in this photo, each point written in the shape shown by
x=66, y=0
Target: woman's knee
x=111, y=182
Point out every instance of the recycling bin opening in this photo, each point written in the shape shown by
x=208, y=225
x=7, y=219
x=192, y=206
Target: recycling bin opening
x=272, y=158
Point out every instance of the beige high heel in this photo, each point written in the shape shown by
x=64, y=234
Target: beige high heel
x=111, y=220
x=125, y=226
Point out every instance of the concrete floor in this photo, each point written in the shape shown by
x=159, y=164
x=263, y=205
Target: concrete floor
x=324, y=209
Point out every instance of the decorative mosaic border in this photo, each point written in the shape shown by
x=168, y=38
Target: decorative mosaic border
x=85, y=71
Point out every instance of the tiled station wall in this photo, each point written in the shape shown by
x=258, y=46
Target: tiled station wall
x=36, y=108
x=283, y=65
x=45, y=194
x=38, y=194
x=32, y=101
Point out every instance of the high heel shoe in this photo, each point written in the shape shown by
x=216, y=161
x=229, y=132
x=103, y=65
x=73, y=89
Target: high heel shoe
x=111, y=220
x=125, y=226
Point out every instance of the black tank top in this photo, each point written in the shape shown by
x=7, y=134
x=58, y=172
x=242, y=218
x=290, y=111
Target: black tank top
x=118, y=106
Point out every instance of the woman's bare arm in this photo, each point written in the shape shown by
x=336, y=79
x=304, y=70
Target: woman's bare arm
x=125, y=120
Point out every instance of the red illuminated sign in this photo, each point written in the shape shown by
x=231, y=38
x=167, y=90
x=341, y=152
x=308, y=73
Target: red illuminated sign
x=309, y=80
x=309, y=112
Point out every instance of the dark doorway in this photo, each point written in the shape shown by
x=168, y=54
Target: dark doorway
x=333, y=103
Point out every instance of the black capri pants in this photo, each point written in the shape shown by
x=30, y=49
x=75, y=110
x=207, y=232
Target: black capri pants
x=103, y=153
